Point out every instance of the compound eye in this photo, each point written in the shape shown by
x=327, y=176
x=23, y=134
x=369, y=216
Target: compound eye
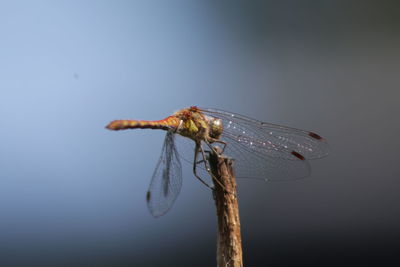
x=217, y=123
x=216, y=128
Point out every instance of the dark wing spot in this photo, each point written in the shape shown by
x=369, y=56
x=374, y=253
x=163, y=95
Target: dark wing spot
x=314, y=135
x=298, y=155
x=148, y=196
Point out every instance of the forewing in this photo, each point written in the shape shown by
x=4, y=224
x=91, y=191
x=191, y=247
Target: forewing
x=166, y=182
x=268, y=151
x=279, y=141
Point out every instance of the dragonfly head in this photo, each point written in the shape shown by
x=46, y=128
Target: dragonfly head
x=216, y=128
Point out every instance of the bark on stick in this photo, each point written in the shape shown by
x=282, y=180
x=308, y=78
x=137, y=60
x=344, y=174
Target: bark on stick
x=229, y=241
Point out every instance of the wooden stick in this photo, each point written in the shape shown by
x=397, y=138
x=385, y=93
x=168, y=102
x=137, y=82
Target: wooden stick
x=229, y=241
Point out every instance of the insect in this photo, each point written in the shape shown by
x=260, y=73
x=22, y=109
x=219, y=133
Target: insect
x=261, y=150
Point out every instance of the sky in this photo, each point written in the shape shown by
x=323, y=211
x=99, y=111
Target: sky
x=73, y=193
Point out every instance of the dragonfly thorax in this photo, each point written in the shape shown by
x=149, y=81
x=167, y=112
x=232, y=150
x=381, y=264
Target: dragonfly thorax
x=197, y=126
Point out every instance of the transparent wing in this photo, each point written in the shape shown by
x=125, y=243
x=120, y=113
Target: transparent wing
x=250, y=161
x=166, y=182
x=308, y=144
x=255, y=161
x=268, y=151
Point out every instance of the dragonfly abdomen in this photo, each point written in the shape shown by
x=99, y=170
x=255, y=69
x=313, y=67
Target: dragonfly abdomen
x=165, y=124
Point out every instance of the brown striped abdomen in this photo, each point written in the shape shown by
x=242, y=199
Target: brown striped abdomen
x=165, y=124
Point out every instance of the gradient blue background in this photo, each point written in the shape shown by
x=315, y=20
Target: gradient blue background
x=73, y=193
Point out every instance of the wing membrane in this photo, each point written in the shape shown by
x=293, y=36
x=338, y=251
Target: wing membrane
x=308, y=144
x=252, y=161
x=268, y=151
x=166, y=182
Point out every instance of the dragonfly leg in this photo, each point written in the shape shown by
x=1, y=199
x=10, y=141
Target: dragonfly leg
x=213, y=140
x=195, y=162
x=208, y=169
x=207, y=156
x=220, y=142
x=219, y=153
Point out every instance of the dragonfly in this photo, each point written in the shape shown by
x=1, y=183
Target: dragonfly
x=261, y=150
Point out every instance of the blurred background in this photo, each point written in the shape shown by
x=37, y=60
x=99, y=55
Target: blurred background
x=73, y=193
